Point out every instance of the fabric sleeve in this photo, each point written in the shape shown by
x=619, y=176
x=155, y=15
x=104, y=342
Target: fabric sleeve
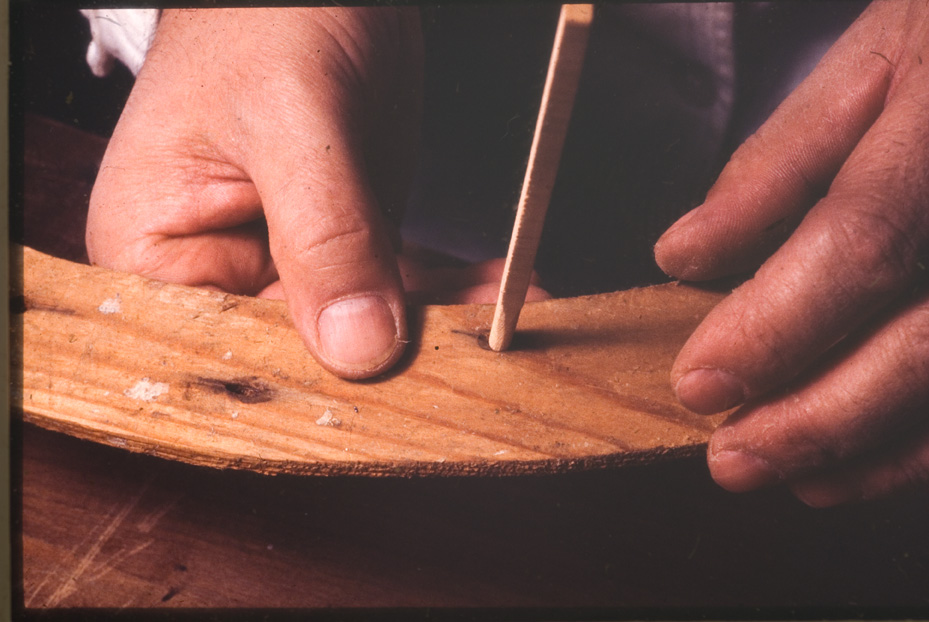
x=123, y=34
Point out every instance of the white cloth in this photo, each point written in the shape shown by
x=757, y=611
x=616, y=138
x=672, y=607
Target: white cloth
x=123, y=34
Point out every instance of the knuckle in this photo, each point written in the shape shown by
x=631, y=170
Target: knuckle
x=816, y=444
x=335, y=240
x=143, y=257
x=909, y=467
x=146, y=258
x=770, y=344
x=108, y=247
x=910, y=347
x=802, y=435
x=916, y=472
x=875, y=244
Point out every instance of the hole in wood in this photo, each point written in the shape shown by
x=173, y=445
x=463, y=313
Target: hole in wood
x=246, y=390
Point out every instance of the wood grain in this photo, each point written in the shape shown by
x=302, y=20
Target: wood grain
x=564, y=74
x=224, y=381
x=106, y=528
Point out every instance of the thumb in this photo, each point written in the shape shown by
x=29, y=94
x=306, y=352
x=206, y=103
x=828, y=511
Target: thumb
x=332, y=250
x=314, y=146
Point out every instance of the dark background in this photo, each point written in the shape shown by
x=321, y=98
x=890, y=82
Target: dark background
x=637, y=155
x=660, y=541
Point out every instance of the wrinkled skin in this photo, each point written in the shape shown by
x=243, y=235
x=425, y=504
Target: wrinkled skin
x=826, y=349
x=244, y=163
x=268, y=152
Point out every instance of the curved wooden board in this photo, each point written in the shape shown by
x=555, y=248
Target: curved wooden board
x=224, y=381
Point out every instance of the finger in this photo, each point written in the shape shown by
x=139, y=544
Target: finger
x=327, y=174
x=483, y=293
x=395, y=133
x=274, y=291
x=478, y=284
x=473, y=284
x=418, y=277
x=869, y=399
x=900, y=468
x=855, y=251
x=201, y=230
x=235, y=260
x=330, y=243
x=167, y=203
x=778, y=173
x=487, y=293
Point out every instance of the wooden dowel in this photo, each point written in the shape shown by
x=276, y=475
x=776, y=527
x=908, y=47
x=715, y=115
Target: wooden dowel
x=564, y=71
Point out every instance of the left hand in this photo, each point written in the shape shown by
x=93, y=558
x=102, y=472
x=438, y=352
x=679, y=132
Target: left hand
x=827, y=347
x=262, y=151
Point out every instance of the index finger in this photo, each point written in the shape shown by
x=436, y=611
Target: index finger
x=855, y=252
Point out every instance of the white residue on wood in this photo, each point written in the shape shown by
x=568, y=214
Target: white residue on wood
x=329, y=419
x=110, y=305
x=146, y=390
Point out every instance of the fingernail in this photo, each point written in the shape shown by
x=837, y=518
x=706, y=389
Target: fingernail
x=357, y=334
x=819, y=497
x=678, y=251
x=738, y=471
x=825, y=493
x=708, y=391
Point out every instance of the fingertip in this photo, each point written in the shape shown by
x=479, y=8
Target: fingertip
x=537, y=294
x=667, y=257
x=672, y=253
x=709, y=391
x=274, y=291
x=838, y=486
x=360, y=336
x=820, y=495
x=741, y=471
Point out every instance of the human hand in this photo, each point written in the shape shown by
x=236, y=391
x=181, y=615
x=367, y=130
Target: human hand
x=258, y=154
x=431, y=277
x=827, y=347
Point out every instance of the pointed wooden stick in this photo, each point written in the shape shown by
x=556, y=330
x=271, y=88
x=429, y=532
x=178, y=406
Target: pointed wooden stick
x=564, y=71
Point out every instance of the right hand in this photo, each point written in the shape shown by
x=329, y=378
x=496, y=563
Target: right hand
x=264, y=152
x=827, y=346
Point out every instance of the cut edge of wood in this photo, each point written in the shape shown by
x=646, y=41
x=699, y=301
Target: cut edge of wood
x=397, y=469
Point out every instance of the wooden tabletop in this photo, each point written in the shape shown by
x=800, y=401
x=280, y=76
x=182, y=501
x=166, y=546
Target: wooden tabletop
x=104, y=528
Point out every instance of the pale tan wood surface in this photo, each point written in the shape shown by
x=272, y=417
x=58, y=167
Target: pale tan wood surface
x=564, y=73
x=224, y=381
